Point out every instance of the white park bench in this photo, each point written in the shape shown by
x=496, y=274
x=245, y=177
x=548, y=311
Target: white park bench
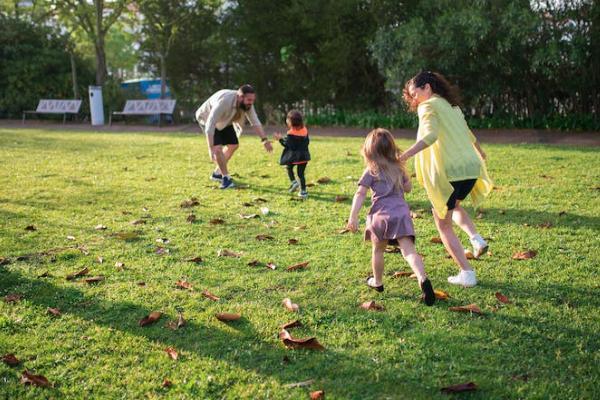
x=53, y=106
x=146, y=107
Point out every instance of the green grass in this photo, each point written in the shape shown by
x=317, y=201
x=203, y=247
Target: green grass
x=67, y=183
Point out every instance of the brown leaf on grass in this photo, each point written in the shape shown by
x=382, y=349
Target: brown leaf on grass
x=30, y=228
x=299, y=228
x=161, y=250
x=298, y=266
x=217, y=221
x=248, y=216
x=192, y=202
x=260, y=200
x=11, y=360
x=372, y=306
x=45, y=275
x=272, y=266
x=125, y=212
x=480, y=215
x=254, y=263
x=172, y=353
x=227, y=317
x=100, y=227
x=27, y=378
x=546, y=225
x=471, y=308
x=150, y=319
x=191, y=218
x=436, y=240
x=120, y=265
x=441, y=295
x=74, y=275
x=210, y=296
x=287, y=303
x=560, y=214
x=4, y=261
x=324, y=180
x=228, y=253
x=94, y=279
x=317, y=394
x=340, y=198
x=174, y=325
x=294, y=343
x=461, y=387
x=183, y=284
x=141, y=283
x=13, y=298
x=99, y=259
x=293, y=241
x=264, y=237
x=469, y=254
x=415, y=215
x=290, y=325
x=138, y=222
x=196, y=259
x=524, y=255
x=54, y=311
x=247, y=204
x=167, y=383
x=502, y=298
x=402, y=274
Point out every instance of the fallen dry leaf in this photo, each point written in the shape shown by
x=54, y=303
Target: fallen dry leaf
x=393, y=249
x=299, y=228
x=264, y=237
x=226, y=317
x=294, y=343
x=259, y=200
x=415, y=215
x=196, y=259
x=345, y=230
x=546, y=225
x=163, y=240
x=171, y=352
x=209, y=295
x=99, y=259
x=560, y=214
x=192, y=202
x=217, y=221
x=291, y=325
x=228, y=253
x=272, y=266
x=524, y=255
x=287, y=303
x=100, y=227
x=27, y=378
x=469, y=254
x=94, y=279
x=247, y=204
x=248, y=216
x=30, y=228
x=150, y=319
x=120, y=264
x=13, y=298
x=298, y=266
x=317, y=394
x=471, y=308
x=480, y=215
x=254, y=263
x=184, y=284
x=324, y=180
x=436, y=240
x=402, y=274
x=141, y=283
x=191, y=218
x=174, y=325
x=11, y=360
x=502, y=298
x=138, y=222
x=461, y=387
x=4, y=261
x=54, y=311
x=293, y=241
x=441, y=295
x=161, y=250
x=45, y=275
x=340, y=198
x=372, y=306
x=167, y=383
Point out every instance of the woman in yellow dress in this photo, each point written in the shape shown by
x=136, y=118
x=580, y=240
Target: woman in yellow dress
x=450, y=165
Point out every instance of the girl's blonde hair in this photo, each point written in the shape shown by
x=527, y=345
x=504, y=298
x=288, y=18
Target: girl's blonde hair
x=382, y=157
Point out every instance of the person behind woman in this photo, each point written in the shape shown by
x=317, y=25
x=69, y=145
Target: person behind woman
x=449, y=163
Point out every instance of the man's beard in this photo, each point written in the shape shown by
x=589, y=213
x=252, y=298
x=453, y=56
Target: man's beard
x=245, y=107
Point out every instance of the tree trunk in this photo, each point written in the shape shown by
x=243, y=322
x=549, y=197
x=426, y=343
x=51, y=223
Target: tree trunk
x=163, y=76
x=99, y=44
x=74, y=76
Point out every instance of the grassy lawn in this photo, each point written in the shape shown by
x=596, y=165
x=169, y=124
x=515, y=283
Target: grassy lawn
x=545, y=344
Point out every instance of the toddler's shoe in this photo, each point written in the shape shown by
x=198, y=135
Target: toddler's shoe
x=428, y=294
x=464, y=278
x=480, y=246
x=303, y=194
x=293, y=187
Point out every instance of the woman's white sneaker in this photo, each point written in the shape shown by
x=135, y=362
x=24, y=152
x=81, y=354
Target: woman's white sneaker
x=480, y=246
x=464, y=278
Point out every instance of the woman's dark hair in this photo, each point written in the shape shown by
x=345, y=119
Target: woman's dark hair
x=439, y=85
x=295, y=119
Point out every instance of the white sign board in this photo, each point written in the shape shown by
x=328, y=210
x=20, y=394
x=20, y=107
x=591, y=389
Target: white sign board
x=49, y=106
x=149, y=107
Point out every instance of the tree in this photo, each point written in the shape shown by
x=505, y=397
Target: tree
x=95, y=18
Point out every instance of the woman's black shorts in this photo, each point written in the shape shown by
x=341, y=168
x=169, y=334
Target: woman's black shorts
x=461, y=191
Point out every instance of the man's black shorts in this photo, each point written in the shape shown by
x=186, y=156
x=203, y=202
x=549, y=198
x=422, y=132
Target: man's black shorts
x=225, y=136
x=461, y=191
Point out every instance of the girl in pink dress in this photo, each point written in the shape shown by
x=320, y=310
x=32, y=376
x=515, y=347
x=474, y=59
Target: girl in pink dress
x=388, y=220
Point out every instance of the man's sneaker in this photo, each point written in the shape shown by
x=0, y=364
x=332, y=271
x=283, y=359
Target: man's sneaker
x=215, y=176
x=293, y=187
x=227, y=183
x=480, y=246
x=464, y=278
x=303, y=194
